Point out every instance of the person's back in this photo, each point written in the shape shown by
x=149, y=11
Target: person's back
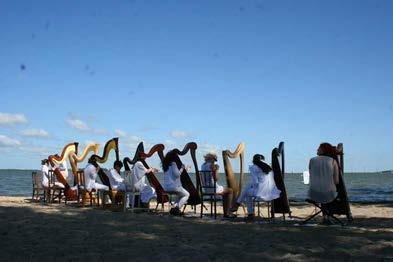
x=90, y=173
x=322, y=179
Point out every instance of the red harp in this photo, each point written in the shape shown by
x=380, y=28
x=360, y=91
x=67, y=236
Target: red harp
x=195, y=197
x=140, y=155
x=68, y=150
x=281, y=204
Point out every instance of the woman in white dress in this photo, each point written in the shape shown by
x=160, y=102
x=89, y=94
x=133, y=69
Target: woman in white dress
x=172, y=170
x=226, y=192
x=147, y=192
x=262, y=186
x=45, y=174
x=90, y=173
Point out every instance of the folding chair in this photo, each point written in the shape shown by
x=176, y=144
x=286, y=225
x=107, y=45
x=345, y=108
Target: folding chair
x=324, y=208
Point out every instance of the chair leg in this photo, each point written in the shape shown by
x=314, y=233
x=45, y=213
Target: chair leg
x=311, y=217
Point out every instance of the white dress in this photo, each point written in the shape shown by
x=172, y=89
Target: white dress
x=90, y=173
x=172, y=183
x=45, y=177
x=263, y=186
x=140, y=185
x=115, y=179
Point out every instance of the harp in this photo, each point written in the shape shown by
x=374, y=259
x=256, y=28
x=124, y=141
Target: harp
x=236, y=186
x=195, y=198
x=281, y=204
x=140, y=155
x=68, y=150
x=112, y=144
x=340, y=206
x=75, y=159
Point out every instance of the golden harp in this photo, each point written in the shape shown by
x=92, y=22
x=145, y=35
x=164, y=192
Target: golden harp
x=112, y=144
x=230, y=174
x=68, y=150
x=75, y=159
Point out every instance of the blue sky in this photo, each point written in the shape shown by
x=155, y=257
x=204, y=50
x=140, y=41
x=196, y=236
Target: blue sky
x=213, y=72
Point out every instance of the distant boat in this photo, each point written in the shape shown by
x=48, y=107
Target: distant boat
x=386, y=172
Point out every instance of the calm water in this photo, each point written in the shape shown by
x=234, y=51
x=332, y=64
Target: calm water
x=369, y=187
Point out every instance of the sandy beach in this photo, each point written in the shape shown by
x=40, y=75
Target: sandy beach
x=32, y=231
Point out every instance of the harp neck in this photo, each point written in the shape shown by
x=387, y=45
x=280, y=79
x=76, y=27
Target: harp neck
x=192, y=147
x=67, y=150
x=75, y=159
x=110, y=145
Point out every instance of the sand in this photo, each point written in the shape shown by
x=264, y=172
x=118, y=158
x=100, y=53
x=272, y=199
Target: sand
x=31, y=231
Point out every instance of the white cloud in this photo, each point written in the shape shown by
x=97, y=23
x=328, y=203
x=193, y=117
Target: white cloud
x=77, y=124
x=11, y=119
x=33, y=132
x=179, y=134
x=43, y=151
x=81, y=126
x=120, y=133
x=99, y=132
x=6, y=141
x=208, y=148
x=169, y=143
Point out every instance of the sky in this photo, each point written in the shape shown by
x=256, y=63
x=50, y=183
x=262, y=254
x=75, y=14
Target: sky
x=213, y=72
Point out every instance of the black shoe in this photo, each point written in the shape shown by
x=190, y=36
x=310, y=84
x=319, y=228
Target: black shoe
x=235, y=207
x=172, y=211
x=230, y=216
x=175, y=211
x=250, y=218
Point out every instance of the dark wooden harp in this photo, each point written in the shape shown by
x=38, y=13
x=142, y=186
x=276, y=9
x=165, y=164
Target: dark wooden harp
x=195, y=197
x=281, y=204
x=112, y=144
x=140, y=155
x=340, y=205
x=230, y=174
x=68, y=150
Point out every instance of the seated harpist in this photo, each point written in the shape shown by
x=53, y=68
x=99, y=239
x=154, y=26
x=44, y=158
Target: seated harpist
x=324, y=176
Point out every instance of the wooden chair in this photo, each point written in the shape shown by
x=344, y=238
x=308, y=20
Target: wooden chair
x=54, y=191
x=85, y=194
x=118, y=198
x=38, y=190
x=208, y=191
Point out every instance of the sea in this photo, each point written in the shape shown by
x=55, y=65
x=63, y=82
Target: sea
x=361, y=187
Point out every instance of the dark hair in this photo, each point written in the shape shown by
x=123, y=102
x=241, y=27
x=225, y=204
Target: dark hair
x=118, y=163
x=327, y=150
x=44, y=161
x=170, y=157
x=258, y=160
x=93, y=161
